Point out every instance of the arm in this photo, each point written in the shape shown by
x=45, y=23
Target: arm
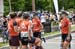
x=15, y=26
x=30, y=30
x=41, y=26
x=69, y=28
x=69, y=32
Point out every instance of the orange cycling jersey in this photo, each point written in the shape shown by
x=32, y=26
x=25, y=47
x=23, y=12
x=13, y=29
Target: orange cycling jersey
x=36, y=25
x=24, y=26
x=65, y=26
x=11, y=28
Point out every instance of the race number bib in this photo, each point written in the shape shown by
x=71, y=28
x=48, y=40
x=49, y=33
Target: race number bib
x=24, y=34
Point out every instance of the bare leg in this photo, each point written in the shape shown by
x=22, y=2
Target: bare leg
x=11, y=47
x=38, y=44
x=24, y=47
x=20, y=44
x=15, y=47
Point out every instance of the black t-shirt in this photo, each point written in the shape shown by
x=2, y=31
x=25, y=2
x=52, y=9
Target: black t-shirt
x=5, y=24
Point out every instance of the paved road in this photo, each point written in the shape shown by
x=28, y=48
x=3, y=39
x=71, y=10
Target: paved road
x=54, y=43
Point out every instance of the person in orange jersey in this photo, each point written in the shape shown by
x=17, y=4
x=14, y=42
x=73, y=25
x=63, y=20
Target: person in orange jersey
x=37, y=27
x=19, y=20
x=26, y=34
x=65, y=28
x=13, y=34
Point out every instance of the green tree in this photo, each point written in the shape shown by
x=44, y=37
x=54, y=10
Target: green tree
x=26, y=5
x=68, y=4
x=16, y=5
x=6, y=6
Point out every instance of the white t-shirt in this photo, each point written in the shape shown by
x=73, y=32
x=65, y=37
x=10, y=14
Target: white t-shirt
x=43, y=19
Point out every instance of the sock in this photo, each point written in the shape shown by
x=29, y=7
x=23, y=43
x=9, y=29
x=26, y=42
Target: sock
x=44, y=39
x=69, y=45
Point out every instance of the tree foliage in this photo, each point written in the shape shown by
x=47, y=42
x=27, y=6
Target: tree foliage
x=26, y=5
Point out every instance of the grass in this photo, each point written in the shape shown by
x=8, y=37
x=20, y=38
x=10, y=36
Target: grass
x=58, y=32
x=3, y=44
x=52, y=33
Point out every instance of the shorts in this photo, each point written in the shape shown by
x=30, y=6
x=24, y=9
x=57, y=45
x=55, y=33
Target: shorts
x=14, y=41
x=32, y=41
x=25, y=40
x=64, y=36
x=37, y=34
x=19, y=36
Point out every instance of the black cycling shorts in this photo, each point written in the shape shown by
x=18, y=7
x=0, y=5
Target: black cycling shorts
x=37, y=34
x=64, y=36
x=14, y=41
x=25, y=40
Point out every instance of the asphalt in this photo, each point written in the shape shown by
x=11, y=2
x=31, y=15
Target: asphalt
x=53, y=42
x=46, y=37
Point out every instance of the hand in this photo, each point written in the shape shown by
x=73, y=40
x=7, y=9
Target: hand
x=68, y=38
x=29, y=38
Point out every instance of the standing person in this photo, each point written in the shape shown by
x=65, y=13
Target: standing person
x=24, y=31
x=13, y=34
x=43, y=21
x=37, y=26
x=19, y=20
x=26, y=34
x=5, y=29
x=65, y=28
